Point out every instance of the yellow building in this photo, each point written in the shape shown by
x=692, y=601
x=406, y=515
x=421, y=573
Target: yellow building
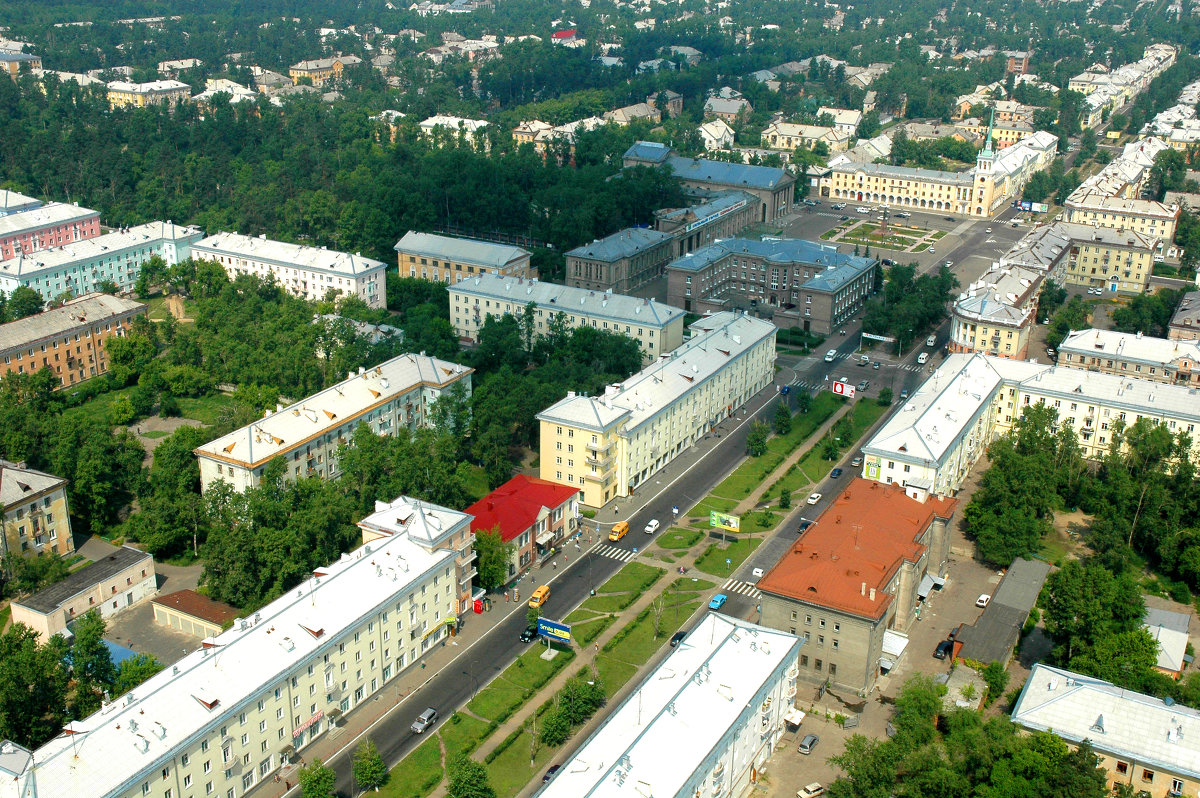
x=123, y=94
x=610, y=445
x=36, y=520
x=445, y=259
x=1004, y=133
x=789, y=136
x=321, y=70
x=1101, y=257
x=1145, y=217
x=997, y=312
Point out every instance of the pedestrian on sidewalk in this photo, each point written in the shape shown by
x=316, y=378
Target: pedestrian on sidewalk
x=505, y=596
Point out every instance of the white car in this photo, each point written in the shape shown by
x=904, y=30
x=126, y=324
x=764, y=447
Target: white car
x=652, y=527
x=903, y=215
x=988, y=230
x=757, y=573
x=931, y=341
x=923, y=358
x=862, y=209
x=814, y=498
x=813, y=790
x=831, y=356
x=983, y=600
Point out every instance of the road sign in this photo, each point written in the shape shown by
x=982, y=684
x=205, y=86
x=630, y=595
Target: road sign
x=844, y=389
x=722, y=521
x=887, y=339
x=553, y=630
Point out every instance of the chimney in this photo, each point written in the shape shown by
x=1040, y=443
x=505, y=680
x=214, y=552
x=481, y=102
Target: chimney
x=863, y=590
x=872, y=594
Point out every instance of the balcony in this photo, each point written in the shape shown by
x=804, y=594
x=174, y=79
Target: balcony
x=602, y=463
x=599, y=448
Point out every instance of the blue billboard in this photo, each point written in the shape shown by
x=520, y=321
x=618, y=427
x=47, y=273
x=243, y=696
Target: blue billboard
x=553, y=630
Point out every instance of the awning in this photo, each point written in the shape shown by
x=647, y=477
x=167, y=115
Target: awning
x=926, y=586
x=545, y=537
x=894, y=644
x=794, y=717
x=886, y=664
x=939, y=582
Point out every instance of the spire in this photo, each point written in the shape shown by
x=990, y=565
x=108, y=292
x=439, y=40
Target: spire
x=987, y=143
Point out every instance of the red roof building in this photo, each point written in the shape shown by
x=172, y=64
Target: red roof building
x=561, y=36
x=856, y=577
x=536, y=515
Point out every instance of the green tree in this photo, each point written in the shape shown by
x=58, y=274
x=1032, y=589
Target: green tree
x=756, y=441
x=23, y=301
x=885, y=397
x=133, y=671
x=317, y=780
x=494, y=556
x=995, y=676
x=468, y=779
x=91, y=665
x=783, y=418
x=370, y=771
x=33, y=703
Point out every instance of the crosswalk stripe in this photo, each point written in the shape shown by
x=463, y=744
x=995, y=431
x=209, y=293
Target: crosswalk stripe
x=743, y=588
x=612, y=552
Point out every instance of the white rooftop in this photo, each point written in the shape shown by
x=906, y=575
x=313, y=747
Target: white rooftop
x=290, y=427
x=1130, y=346
x=427, y=524
x=98, y=247
x=151, y=87
x=1129, y=725
x=51, y=213
x=552, y=297
x=82, y=311
x=141, y=731
x=11, y=200
x=264, y=249
x=716, y=340
x=670, y=726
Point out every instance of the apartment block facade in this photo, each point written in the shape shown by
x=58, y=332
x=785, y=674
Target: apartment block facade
x=123, y=94
x=307, y=272
x=609, y=445
x=444, y=259
x=54, y=224
x=723, y=216
x=321, y=70
x=1133, y=354
x=36, y=515
x=68, y=339
x=621, y=262
x=657, y=328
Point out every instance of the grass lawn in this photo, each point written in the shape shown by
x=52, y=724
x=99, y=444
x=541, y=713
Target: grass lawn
x=497, y=701
x=690, y=584
x=510, y=772
x=587, y=631
x=477, y=484
x=417, y=774
x=712, y=503
x=640, y=644
x=613, y=673
x=634, y=577
x=759, y=521
x=531, y=671
x=97, y=407
x=793, y=480
x=920, y=247
x=5, y=616
x=155, y=433
x=938, y=235
x=713, y=560
x=207, y=409
x=580, y=615
x=679, y=538
x=462, y=737
x=611, y=603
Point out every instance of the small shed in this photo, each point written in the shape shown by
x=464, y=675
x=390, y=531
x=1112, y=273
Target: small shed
x=192, y=613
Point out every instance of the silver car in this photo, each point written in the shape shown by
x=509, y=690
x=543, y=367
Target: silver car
x=424, y=720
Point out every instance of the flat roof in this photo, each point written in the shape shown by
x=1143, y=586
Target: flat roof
x=774, y=250
x=18, y=483
x=49, y=599
x=83, y=311
x=286, y=429
x=50, y=214
x=107, y=245
x=846, y=559
x=142, y=730
x=278, y=252
x=625, y=243
x=12, y=201
x=1130, y=725
x=151, y=87
x=907, y=173
x=1129, y=346
x=463, y=250
x=701, y=213
x=552, y=296
x=1022, y=584
x=993, y=636
x=198, y=605
x=662, y=739
x=716, y=341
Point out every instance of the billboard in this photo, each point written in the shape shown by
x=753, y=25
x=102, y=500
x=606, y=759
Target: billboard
x=1035, y=207
x=553, y=630
x=844, y=389
x=731, y=523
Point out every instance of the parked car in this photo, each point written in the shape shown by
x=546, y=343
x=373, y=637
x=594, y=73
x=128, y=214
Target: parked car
x=808, y=743
x=903, y=215
x=951, y=219
x=862, y=385
x=813, y=498
x=550, y=773
x=864, y=360
x=805, y=523
x=944, y=649
x=677, y=638
x=529, y=634
x=813, y=790
x=903, y=394
x=424, y=720
x=809, y=203
x=843, y=218
x=652, y=527
x=837, y=206
x=932, y=251
x=983, y=600
x=717, y=601
x=757, y=573
x=862, y=209
x=856, y=462
x=954, y=633
x=835, y=473
x=831, y=356
x=988, y=230
x=875, y=365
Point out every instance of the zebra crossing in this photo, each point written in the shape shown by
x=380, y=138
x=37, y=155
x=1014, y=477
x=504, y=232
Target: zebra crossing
x=741, y=588
x=614, y=552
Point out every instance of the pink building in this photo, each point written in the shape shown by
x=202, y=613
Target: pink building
x=52, y=225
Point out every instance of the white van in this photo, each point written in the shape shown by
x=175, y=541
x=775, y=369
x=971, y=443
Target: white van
x=931, y=341
x=831, y=355
x=923, y=358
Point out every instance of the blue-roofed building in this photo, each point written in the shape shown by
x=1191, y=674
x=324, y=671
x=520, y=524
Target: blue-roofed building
x=799, y=283
x=774, y=187
x=723, y=215
x=621, y=262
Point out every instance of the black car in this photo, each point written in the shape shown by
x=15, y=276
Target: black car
x=529, y=634
x=805, y=523
x=835, y=473
x=951, y=219
x=943, y=649
x=677, y=638
x=550, y=773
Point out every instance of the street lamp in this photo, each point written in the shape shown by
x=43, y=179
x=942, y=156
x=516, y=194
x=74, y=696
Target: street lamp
x=474, y=680
x=902, y=343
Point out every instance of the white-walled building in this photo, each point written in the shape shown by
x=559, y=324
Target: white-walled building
x=397, y=393
x=702, y=723
x=307, y=272
x=609, y=445
x=227, y=716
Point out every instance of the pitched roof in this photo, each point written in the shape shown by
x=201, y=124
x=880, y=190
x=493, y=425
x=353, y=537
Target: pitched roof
x=516, y=505
x=198, y=605
x=786, y=250
x=49, y=599
x=601, y=304
x=18, y=483
x=845, y=559
x=623, y=244
x=51, y=213
x=88, y=309
x=702, y=170
x=262, y=248
x=463, y=250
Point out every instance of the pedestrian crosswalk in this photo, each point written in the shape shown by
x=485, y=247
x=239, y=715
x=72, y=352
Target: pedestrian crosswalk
x=741, y=588
x=614, y=552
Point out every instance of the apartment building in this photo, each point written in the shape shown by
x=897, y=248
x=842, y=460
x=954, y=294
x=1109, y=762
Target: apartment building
x=656, y=327
x=997, y=312
x=124, y=94
x=450, y=260
x=704, y=721
x=724, y=215
x=226, y=717
x=1164, y=360
x=1112, y=197
x=13, y=63
x=307, y=272
x=930, y=445
x=773, y=187
x=54, y=224
x=609, y=445
x=845, y=120
x=534, y=515
x=13, y=202
x=81, y=267
x=472, y=131
x=621, y=262
x=397, y=393
x=321, y=70
x=1117, y=260
x=855, y=578
x=792, y=135
x=36, y=515
x=804, y=283
x=1148, y=744
x=1185, y=323
x=108, y=586
x=68, y=339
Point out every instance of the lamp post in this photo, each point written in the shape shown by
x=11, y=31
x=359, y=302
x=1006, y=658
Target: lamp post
x=474, y=680
x=901, y=354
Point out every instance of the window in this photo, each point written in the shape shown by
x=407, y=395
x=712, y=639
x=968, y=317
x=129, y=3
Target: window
x=832, y=669
x=1176, y=787
x=1147, y=775
x=817, y=664
x=804, y=660
x=1122, y=767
